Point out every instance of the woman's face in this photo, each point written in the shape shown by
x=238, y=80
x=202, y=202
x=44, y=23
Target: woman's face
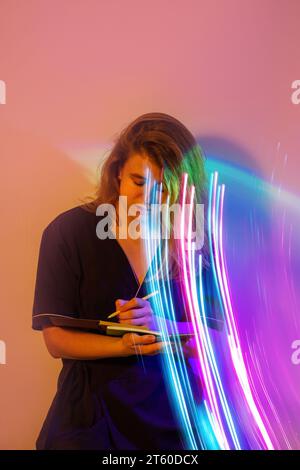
x=133, y=178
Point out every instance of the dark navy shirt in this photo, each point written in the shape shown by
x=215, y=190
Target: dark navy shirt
x=107, y=403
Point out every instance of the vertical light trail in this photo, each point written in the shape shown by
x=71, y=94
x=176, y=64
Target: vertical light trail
x=233, y=341
x=204, y=333
x=217, y=409
x=215, y=226
x=172, y=372
x=209, y=387
x=193, y=412
x=213, y=364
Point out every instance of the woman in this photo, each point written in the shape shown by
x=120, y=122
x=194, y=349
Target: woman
x=111, y=393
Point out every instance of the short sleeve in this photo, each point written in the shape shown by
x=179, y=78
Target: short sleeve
x=57, y=277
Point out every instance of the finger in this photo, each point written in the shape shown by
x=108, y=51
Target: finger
x=154, y=348
x=142, y=348
x=130, y=314
x=164, y=347
x=119, y=303
x=168, y=346
x=149, y=349
x=143, y=321
x=135, y=339
x=135, y=302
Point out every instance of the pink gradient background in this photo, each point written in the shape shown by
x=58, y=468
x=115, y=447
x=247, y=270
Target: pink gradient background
x=76, y=73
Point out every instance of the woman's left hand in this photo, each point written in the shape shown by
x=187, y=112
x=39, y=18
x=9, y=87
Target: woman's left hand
x=136, y=311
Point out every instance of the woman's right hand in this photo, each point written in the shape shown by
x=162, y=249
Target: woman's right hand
x=132, y=343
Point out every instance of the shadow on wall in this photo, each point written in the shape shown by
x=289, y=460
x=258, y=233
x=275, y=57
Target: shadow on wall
x=261, y=232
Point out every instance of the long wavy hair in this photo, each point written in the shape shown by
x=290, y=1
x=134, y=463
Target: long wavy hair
x=169, y=144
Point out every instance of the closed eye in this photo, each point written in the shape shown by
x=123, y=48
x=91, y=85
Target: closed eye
x=142, y=183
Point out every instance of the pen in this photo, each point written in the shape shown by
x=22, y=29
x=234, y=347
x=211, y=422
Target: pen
x=144, y=298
